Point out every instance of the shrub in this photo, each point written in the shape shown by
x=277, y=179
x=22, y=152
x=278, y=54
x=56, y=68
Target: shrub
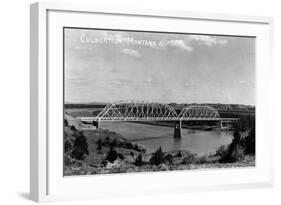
x=201, y=160
x=222, y=151
x=73, y=128
x=104, y=163
x=139, y=161
x=249, y=142
x=179, y=154
x=111, y=155
x=80, y=147
x=137, y=148
x=235, y=151
x=120, y=156
x=66, y=161
x=129, y=145
x=114, y=143
x=157, y=157
x=67, y=146
x=189, y=159
x=65, y=123
x=168, y=158
x=99, y=143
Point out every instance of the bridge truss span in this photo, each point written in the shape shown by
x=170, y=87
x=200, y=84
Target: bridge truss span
x=146, y=111
x=197, y=112
x=137, y=111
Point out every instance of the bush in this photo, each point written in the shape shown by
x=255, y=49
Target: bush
x=137, y=148
x=80, y=147
x=189, y=159
x=65, y=123
x=157, y=157
x=249, y=142
x=222, y=151
x=201, y=160
x=168, y=158
x=139, y=161
x=235, y=151
x=120, y=156
x=73, y=128
x=99, y=143
x=179, y=154
x=66, y=161
x=129, y=145
x=114, y=143
x=67, y=146
x=111, y=155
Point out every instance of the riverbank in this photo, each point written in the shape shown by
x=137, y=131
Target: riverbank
x=132, y=157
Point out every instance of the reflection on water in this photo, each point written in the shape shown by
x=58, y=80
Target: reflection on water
x=152, y=137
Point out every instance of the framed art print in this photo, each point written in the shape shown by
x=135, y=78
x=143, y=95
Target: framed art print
x=135, y=97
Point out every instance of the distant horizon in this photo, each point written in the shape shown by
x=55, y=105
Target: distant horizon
x=158, y=102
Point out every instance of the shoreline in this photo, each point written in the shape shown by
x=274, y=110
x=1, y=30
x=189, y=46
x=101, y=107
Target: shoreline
x=101, y=142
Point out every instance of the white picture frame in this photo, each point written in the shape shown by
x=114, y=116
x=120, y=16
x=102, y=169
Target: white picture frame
x=46, y=179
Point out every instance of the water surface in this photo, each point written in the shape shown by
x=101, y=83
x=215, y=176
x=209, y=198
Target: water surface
x=151, y=137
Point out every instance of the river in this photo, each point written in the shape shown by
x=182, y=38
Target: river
x=151, y=137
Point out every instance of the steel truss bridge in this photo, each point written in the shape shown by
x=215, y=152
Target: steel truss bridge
x=145, y=111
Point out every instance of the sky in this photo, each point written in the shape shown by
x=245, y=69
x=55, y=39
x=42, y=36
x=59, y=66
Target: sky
x=109, y=66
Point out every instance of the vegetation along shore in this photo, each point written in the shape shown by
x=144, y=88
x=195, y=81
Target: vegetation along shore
x=101, y=151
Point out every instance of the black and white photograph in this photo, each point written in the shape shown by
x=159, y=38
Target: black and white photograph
x=149, y=101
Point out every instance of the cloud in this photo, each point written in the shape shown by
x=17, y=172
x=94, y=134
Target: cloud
x=222, y=41
x=207, y=40
x=121, y=82
x=179, y=44
x=150, y=80
x=188, y=84
x=246, y=82
x=131, y=52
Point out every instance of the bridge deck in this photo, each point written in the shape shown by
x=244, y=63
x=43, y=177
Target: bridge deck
x=91, y=119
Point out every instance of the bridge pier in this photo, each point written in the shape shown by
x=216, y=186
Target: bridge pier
x=177, y=131
x=96, y=124
x=227, y=123
x=223, y=124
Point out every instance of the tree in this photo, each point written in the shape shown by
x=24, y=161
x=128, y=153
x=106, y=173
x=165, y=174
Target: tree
x=168, y=158
x=222, y=151
x=120, y=156
x=111, y=155
x=179, y=154
x=114, y=143
x=80, y=147
x=73, y=128
x=138, y=161
x=99, y=143
x=249, y=142
x=157, y=157
x=65, y=123
x=137, y=148
x=67, y=146
x=235, y=151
